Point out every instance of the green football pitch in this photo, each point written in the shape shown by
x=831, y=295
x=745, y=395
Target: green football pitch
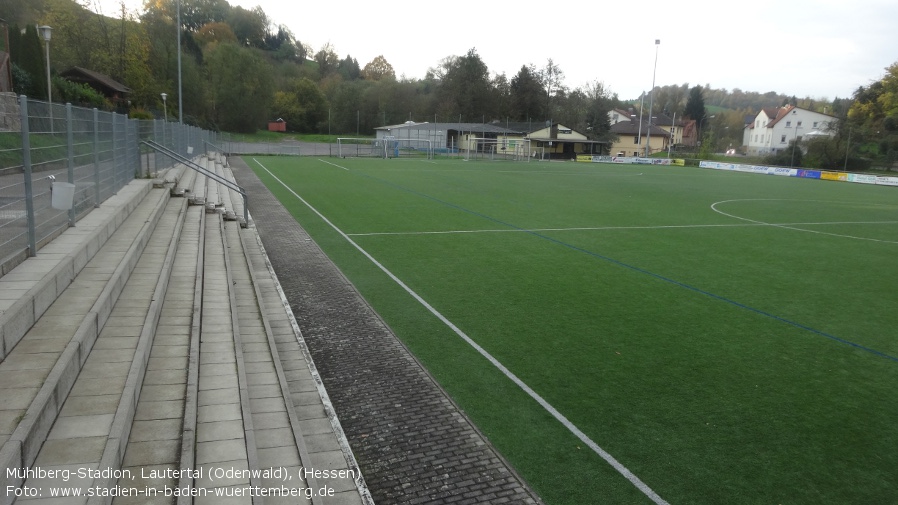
x=626, y=333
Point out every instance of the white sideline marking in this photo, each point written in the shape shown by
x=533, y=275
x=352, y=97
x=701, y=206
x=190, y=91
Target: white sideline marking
x=602, y=228
x=508, y=373
x=792, y=226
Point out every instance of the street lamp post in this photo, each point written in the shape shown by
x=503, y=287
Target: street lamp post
x=648, y=135
x=794, y=143
x=45, y=34
x=673, y=126
x=701, y=128
x=180, y=92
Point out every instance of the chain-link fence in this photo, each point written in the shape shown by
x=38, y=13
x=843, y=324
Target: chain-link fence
x=85, y=153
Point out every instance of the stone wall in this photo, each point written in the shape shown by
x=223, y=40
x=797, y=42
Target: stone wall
x=10, y=116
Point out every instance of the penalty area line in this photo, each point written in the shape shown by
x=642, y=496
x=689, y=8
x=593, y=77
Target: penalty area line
x=626, y=473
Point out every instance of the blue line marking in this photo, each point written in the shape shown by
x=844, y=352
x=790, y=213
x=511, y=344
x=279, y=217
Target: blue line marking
x=637, y=269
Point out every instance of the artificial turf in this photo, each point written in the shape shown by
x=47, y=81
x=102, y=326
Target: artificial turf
x=729, y=338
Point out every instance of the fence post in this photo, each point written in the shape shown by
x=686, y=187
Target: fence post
x=26, y=165
x=96, y=157
x=70, y=155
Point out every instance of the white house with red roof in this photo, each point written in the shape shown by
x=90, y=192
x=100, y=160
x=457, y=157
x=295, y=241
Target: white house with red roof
x=773, y=129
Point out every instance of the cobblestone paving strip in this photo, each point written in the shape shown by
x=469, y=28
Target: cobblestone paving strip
x=412, y=443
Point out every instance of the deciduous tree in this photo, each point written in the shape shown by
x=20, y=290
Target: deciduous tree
x=377, y=69
x=239, y=88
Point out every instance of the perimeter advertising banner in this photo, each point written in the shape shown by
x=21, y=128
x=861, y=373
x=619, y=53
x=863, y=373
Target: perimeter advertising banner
x=753, y=169
x=862, y=179
x=834, y=176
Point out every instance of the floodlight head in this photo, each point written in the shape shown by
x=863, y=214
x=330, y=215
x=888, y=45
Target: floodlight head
x=45, y=32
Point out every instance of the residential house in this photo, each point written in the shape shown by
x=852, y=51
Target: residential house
x=115, y=91
x=773, y=129
x=633, y=138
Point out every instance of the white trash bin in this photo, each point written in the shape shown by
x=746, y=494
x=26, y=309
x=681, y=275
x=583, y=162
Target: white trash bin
x=63, y=195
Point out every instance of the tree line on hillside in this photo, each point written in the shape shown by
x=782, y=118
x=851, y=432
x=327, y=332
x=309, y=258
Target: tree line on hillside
x=241, y=69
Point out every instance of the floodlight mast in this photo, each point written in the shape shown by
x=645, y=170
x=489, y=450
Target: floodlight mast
x=648, y=135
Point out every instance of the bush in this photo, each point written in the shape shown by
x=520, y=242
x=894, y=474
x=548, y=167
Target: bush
x=21, y=80
x=79, y=94
x=140, y=114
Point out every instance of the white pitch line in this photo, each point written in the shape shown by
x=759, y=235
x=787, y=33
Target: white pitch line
x=627, y=474
x=604, y=228
x=791, y=227
x=319, y=159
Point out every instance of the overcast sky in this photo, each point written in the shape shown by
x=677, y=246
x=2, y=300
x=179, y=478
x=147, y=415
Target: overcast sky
x=820, y=48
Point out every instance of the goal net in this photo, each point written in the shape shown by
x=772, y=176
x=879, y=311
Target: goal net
x=350, y=147
x=498, y=149
x=387, y=147
x=408, y=148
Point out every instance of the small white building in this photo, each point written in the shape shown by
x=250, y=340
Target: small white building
x=773, y=129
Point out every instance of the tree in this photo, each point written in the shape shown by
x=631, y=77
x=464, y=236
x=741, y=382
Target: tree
x=239, y=87
x=377, y=69
x=502, y=93
x=194, y=13
x=600, y=101
x=527, y=94
x=250, y=26
x=873, y=116
x=327, y=60
x=465, y=88
x=303, y=106
x=349, y=68
x=789, y=157
x=552, y=77
x=695, y=105
x=347, y=106
x=216, y=32
x=28, y=55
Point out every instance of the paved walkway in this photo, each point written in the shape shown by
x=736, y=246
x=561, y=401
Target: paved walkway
x=411, y=441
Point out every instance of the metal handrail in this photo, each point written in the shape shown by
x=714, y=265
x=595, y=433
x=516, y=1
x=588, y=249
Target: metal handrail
x=212, y=175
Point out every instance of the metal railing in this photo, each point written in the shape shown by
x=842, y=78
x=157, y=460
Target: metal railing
x=196, y=167
x=97, y=152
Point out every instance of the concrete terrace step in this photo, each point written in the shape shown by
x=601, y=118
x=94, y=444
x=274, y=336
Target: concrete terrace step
x=40, y=369
x=287, y=366
x=28, y=290
x=200, y=367
x=95, y=419
x=155, y=451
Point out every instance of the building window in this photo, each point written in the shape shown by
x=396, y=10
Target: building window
x=636, y=140
x=788, y=124
x=798, y=124
x=783, y=139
